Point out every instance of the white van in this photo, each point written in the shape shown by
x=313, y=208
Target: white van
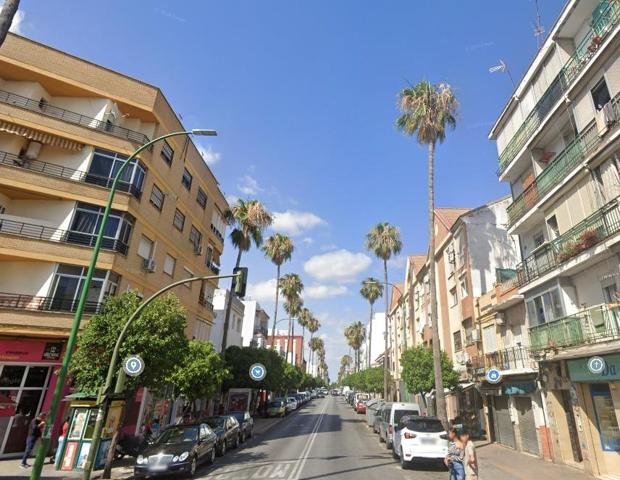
x=391, y=417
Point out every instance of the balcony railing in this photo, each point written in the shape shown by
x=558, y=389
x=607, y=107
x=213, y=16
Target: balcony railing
x=217, y=233
x=17, y=301
x=44, y=108
x=594, y=229
x=514, y=358
x=606, y=20
x=52, y=234
x=205, y=302
x=596, y=324
x=59, y=171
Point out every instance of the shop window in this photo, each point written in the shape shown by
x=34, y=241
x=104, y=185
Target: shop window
x=606, y=419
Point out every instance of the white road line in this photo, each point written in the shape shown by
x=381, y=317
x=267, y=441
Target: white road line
x=298, y=468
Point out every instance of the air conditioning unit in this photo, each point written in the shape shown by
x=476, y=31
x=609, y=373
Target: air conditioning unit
x=475, y=336
x=197, y=249
x=458, y=356
x=500, y=319
x=148, y=265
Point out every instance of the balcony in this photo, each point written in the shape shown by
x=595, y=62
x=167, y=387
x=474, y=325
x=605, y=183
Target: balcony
x=596, y=324
x=606, y=20
x=515, y=358
x=17, y=301
x=54, y=170
x=52, y=234
x=217, y=233
x=593, y=230
x=44, y=108
x=205, y=302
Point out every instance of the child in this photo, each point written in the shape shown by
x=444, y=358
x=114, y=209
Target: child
x=470, y=458
x=454, y=459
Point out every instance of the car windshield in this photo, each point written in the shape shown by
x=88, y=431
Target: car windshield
x=179, y=434
x=275, y=404
x=240, y=416
x=398, y=414
x=215, y=422
x=424, y=426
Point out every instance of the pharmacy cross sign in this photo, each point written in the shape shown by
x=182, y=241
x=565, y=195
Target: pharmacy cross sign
x=258, y=372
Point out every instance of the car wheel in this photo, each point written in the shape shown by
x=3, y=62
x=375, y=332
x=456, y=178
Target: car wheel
x=211, y=458
x=380, y=438
x=223, y=448
x=237, y=441
x=395, y=454
x=388, y=445
x=404, y=464
x=193, y=465
x=242, y=437
x=251, y=434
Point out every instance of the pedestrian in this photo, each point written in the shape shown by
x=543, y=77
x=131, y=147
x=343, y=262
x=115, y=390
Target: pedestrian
x=454, y=458
x=35, y=429
x=155, y=428
x=470, y=459
x=61, y=440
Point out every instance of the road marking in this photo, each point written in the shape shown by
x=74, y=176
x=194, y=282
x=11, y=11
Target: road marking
x=299, y=466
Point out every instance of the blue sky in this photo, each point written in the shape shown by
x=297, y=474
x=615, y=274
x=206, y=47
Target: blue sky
x=303, y=95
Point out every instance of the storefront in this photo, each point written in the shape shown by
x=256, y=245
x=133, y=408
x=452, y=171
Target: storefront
x=27, y=381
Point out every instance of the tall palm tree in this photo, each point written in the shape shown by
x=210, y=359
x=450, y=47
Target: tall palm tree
x=7, y=13
x=384, y=241
x=292, y=307
x=345, y=365
x=249, y=218
x=313, y=327
x=304, y=318
x=371, y=290
x=427, y=111
x=291, y=287
x=355, y=335
x=279, y=249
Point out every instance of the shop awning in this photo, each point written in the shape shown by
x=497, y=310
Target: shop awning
x=39, y=136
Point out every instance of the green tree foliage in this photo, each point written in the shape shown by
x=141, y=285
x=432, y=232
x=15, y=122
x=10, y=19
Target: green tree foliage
x=419, y=372
x=369, y=380
x=292, y=377
x=238, y=361
x=158, y=336
x=200, y=373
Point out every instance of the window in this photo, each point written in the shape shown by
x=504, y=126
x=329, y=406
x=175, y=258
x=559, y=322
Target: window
x=600, y=95
x=179, y=220
x=169, y=264
x=188, y=274
x=552, y=224
x=458, y=341
x=209, y=256
x=145, y=248
x=201, y=330
x=186, y=180
x=606, y=419
x=157, y=198
x=489, y=337
x=68, y=281
x=539, y=239
x=463, y=284
x=87, y=220
x=195, y=237
x=453, y=298
x=106, y=164
x=545, y=307
x=167, y=153
x=468, y=325
x=201, y=198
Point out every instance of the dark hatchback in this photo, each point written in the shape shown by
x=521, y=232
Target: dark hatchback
x=226, y=427
x=179, y=449
x=246, y=424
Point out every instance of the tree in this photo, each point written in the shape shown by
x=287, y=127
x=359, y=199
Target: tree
x=418, y=370
x=304, y=319
x=200, y=373
x=292, y=377
x=313, y=327
x=249, y=219
x=291, y=286
x=355, y=335
x=384, y=241
x=371, y=290
x=7, y=14
x=279, y=249
x=427, y=111
x=238, y=361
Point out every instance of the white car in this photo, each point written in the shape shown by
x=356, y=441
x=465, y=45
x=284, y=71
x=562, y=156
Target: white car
x=291, y=404
x=420, y=438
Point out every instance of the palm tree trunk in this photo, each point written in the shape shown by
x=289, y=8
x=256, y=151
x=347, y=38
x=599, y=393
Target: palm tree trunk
x=370, y=337
x=275, y=311
x=229, y=306
x=292, y=340
x=7, y=13
x=440, y=397
x=385, y=353
x=303, y=344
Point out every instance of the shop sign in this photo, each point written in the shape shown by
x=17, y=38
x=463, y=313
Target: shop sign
x=52, y=351
x=30, y=351
x=585, y=369
x=519, y=388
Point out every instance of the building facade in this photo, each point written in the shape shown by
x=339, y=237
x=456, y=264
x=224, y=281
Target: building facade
x=236, y=320
x=65, y=127
x=255, y=324
x=295, y=347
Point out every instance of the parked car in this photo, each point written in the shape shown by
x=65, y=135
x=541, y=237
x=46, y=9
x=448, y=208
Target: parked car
x=178, y=449
x=360, y=407
x=276, y=408
x=372, y=410
x=359, y=397
x=246, y=424
x=291, y=404
x=420, y=438
x=226, y=427
x=390, y=416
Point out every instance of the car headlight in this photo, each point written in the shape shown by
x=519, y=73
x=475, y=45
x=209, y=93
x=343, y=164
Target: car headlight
x=183, y=456
x=175, y=459
x=140, y=460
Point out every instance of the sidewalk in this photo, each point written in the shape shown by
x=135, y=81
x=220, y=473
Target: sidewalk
x=501, y=462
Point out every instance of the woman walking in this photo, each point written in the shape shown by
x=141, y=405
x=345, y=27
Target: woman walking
x=454, y=459
x=470, y=459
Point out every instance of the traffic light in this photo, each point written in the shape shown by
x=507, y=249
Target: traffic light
x=240, y=281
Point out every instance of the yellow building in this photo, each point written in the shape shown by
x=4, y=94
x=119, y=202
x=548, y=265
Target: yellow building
x=65, y=126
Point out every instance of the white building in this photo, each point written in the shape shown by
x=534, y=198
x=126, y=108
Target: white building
x=255, y=324
x=378, y=342
x=235, y=325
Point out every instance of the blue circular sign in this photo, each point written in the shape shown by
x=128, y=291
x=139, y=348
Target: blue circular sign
x=258, y=372
x=133, y=365
x=596, y=365
x=494, y=376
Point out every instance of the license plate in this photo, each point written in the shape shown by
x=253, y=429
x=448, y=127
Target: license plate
x=428, y=441
x=158, y=468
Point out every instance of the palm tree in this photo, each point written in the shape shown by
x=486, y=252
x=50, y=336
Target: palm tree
x=345, y=364
x=384, y=241
x=427, y=111
x=313, y=327
x=371, y=290
x=355, y=334
x=305, y=316
x=7, y=13
x=292, y=307
x=249, y=218
x=279, y=249
x=291, y=286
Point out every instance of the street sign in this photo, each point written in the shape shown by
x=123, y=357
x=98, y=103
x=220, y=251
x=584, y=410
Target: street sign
x=596, y=365
x=133, y=365
x=258, y=372
x=494, y=376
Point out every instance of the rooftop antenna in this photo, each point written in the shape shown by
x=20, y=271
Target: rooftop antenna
x=539, y=30
x=503, y=67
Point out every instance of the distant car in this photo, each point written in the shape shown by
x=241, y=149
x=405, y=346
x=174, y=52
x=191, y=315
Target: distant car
x=246, y=424
x=178, y=449
x=420, y=438
x=372, y=410
x=276, y=408
x=226, y=427
x=390, y=416
x=291, y=404
x=360, y=407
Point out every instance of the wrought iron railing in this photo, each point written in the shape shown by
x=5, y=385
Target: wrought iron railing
x=606, y=20
x=595, y=324
x=214, y=268
x=19, y=301
x=594, y=229
x=44, y=108
x=52, y=234
x=205, y=302
x=217, y=233
x=513, y=358
x=55, y=170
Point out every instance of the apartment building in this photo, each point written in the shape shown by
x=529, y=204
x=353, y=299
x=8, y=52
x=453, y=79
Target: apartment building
x=396, y=337
x=557, y=140
x=374, y=346
x=255, y=324
x=65, y=127
x=221, y=297
x=295, y=349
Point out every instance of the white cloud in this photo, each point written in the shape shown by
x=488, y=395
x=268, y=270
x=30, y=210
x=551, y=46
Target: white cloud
x=248, y=185
x=307, y=241
x=399, y=262
x=294, y=222
x=262, y=291
x=324, y=291
x=329, y=246
x=210, y=156
x=232, y=199
x=17, y=26
x=341, y=265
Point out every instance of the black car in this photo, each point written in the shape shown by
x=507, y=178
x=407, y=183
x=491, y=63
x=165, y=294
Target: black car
x=226, y=427
x=246, y=424
x=179, y=449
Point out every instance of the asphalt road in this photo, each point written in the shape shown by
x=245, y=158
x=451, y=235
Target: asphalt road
x=325, y=439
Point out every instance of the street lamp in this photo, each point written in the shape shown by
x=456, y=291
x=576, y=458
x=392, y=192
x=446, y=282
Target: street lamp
x=77, y=319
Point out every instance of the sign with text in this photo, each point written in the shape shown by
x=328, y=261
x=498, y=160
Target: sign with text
x=584, y=369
